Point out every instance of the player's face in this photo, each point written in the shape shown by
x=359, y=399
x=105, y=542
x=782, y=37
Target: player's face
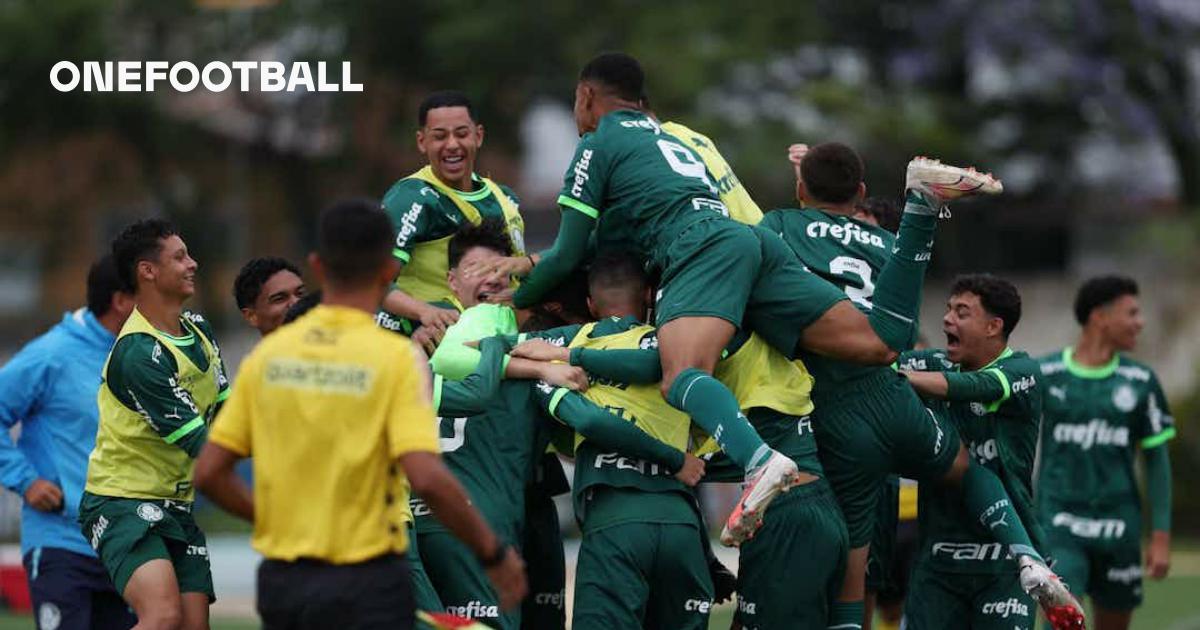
x=279, y=293
x=968, y=327
x=450, y=140
x=1122, y=322
x=472, y=290
x=174, y=272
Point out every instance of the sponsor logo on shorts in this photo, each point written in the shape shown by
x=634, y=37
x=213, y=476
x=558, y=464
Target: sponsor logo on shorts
x=197, y=550
x=804, y=424
x=550, y=599
x=475, y=610
x=701, y=606
x=969, y=551
x=1096, y=432
x=419, y=507
x=49, y=616
x=1002, y=609
x=98, y=531
x=985, y=452
x=620, y=462
x=843, y=233
x=1124, y=575
x=581, y=174
x=702, y=203
x=1090, y=527
x=149, y=512
x=747, y=607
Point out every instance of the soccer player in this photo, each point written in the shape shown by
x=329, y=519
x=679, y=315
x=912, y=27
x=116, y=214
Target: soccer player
x=1101, y=408
x=336, y=414
x=430, y=205
x=717, y=274
x=49, y=388
x=869, y=422
x=265, y=289
x=162, y=384
x=963, y=578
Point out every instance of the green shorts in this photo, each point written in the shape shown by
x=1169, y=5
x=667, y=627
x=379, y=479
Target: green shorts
x=745, y=275
x=425, y=597
x=127, y=533
x=545, y=564
x=883, y=540
x=642, y=575
x=879, y=427
x=461, y=583
x=1097, y=551
x=792, y=568
x=957, y=601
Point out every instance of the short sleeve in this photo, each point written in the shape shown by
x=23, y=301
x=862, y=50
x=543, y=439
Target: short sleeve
x=142, y=375
x=585, y=181
x=233, y=428
x=407, y=206
x=411, y=423
x=1157, y=424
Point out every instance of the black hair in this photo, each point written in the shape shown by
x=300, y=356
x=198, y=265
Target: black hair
x=141, y=240
x=1101, y=291
x=831, y=172
x=615, y=268
x=490, y=233
x=570, y=296
x=305, y=304
x=102, y=282
x=997, y=296
x=444, y=98
x=619, y=73
x=254, y=274
x=354, y=240
x=884, y=210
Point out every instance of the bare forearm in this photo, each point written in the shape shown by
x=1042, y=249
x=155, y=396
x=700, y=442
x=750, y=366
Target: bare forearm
x=229, y=492
x=399, y=303
x=930, y=384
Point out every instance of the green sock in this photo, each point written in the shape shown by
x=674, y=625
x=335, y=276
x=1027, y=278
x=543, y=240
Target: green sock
x=985, y=498
x=897, y=297
x=715, y=409
x=846, y=616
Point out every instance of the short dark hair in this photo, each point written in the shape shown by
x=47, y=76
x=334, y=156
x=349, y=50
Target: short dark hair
x=884, y=210
x=102, y=282
x=571, y=296
x=444, y=98
x=832, y=172
x=490, y=233
x=619, y=73
x=1101, y=291
x=354, y=240
x=254, y=274
x=997, y=296
x=614, y=268
x=305, y=304
x=140, y=240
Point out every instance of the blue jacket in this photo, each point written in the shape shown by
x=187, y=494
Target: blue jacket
x=50, y=387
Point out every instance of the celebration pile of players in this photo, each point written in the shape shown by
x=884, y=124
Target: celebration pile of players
x=672, y=335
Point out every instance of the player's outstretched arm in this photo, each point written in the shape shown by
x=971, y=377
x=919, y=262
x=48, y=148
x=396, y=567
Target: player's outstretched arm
x=555, y=264
x=217, y=479
x=433, y=482
x=641, y=366
x=471, y=395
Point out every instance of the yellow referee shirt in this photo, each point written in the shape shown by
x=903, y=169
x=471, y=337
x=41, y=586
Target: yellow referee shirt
x=326, y=405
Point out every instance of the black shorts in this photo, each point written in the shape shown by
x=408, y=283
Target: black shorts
x=310, y=594
x=72, y=591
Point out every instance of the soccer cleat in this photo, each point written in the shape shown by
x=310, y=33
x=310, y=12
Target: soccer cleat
x=778, y=474
x=1061, y=608
x=446, y=621
x=947, y=183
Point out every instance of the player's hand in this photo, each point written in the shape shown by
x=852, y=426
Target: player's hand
x=724, y=581
x=541, y=350
x=563, y=375
x=503, y=296
x=438, y=318
x=692, y=471
x=509, y=579
x=796, y=153
x=1158, y=555
x=428, y=338
x=505, y=265
x=44, y=496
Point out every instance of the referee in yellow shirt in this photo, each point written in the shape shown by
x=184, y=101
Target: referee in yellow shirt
x=335, y=412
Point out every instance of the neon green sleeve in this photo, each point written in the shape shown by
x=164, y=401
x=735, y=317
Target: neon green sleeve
x=472, y=394
x=455, y=361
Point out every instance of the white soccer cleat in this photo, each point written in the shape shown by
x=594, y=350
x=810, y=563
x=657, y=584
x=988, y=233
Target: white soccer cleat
x=778, y=474
x=1061, y=608
x=947, y=183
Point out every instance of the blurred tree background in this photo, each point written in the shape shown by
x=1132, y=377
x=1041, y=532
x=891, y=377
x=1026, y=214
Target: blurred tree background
x=1089, y=110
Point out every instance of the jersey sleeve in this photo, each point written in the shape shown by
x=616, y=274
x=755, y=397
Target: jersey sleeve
x=771, y=221
x=142, y=375
x=407, y=205
x=233, y=426
x=560, y=336
x=411, y=423
x=585, y=181
x=923, y=361
x=995, y=385
x=472, y=394
x=1157, y=425
x=223, y=384
x=23, y=384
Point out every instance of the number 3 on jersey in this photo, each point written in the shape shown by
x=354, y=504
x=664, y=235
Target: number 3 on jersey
x=850, y=268
x=684, y=162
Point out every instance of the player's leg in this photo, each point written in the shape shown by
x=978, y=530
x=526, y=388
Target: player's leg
x=153, y=592
x=193, y=570
x=61, y=591
x=461, y=583
x=545, y=563
x=1116, y=587
x=681, y=588
x=883, y=546
x=938, y=601
x=424, y=595
x=1000, y=604
x=612, y=585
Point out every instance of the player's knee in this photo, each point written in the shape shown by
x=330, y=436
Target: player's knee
x=962, y=461
x=164, y=616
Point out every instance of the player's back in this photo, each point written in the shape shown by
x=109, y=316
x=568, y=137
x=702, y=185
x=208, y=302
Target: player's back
x=644, y=185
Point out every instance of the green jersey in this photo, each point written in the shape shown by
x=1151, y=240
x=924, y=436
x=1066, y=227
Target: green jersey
x=420, y=213
x=848, y=253
x=643, y=185
x=997, y=411
x=1095, y=420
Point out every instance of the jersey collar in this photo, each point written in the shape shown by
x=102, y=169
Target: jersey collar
x=1085, y=371
x=1008, y=352
x=481, y=192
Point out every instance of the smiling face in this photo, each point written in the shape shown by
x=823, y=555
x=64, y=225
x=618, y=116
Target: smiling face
x=971, y=332
x=173, y=272
x=449, y=140
x=476, y=289
x=1120, y=322
x=278, y=294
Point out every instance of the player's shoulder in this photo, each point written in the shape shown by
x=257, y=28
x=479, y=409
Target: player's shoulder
x=201, y=323
x=407, y=192
x=1052, y=363
x=509, y=192
x=140, y=350
x=1135, y=370
x=1020, y=363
